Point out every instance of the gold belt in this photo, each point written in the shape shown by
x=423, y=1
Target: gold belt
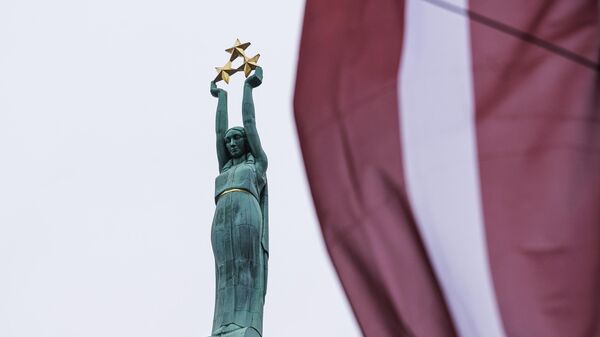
x=232, y=190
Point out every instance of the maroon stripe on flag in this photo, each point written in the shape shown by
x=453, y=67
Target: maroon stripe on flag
x=346, y=109
x=538, y=134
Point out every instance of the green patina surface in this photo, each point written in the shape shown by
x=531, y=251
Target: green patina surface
x=239, y=234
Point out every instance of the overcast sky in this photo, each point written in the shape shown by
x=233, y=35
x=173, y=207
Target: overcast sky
x=107, y=167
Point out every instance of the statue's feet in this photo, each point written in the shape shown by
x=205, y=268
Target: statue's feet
x=233, y=330
x=226, y=329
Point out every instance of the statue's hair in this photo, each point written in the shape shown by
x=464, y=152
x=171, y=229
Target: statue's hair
x=237, y=128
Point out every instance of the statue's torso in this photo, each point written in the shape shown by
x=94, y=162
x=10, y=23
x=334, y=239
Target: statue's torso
x=243, y=176
x=237, y=236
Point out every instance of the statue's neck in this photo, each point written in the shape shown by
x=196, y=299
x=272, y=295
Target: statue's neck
x=238, y=160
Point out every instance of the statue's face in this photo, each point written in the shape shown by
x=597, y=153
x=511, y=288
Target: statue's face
x=235, y=142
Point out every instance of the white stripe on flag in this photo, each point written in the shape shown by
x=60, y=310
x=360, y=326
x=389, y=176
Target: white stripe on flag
x=440, y=158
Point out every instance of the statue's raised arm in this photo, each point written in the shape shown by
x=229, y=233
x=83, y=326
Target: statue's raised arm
x=221, y=123
x=249, y=118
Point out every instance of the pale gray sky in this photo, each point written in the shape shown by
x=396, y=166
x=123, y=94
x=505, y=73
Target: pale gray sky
x=107, y=164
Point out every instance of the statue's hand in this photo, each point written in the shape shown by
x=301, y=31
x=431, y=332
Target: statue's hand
x=256, y=79
x=214, y=90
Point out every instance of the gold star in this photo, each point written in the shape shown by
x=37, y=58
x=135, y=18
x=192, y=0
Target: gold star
x=249, y=64
x=224, y=72
x=237, y=49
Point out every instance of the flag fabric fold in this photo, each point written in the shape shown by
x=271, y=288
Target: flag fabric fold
x=453, y=154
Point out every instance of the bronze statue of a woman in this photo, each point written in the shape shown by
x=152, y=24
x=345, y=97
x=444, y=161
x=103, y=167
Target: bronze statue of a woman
x=239, y=233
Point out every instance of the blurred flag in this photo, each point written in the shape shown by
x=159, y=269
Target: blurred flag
x=453, y=153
